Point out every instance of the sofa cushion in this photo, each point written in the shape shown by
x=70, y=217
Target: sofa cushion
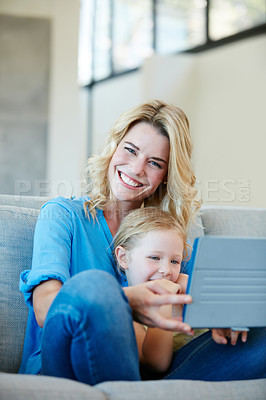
x=23, y=201
x=234, y=221
x=26, y=387
x=196, y=229
x=16, y=239
x=185, y=389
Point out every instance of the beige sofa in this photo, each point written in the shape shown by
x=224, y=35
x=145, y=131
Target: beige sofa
x=17, y=221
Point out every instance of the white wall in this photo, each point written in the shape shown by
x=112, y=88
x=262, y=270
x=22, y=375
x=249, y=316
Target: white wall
x=223, y=93
x=110, y=99
x=172, y=79
x=67, y=135
x=229, y=125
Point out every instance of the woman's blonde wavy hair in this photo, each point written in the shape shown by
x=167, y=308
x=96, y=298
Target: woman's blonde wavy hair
x=177, y=196
x=142, y=220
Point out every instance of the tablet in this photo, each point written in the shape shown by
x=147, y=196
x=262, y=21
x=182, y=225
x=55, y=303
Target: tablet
x=227, y=283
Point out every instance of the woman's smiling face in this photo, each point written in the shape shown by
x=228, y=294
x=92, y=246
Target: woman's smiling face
x=139, y=163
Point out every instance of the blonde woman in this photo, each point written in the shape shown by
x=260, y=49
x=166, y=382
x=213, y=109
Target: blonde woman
x=80, y=310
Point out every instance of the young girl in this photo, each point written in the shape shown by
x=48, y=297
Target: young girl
x=151, y=244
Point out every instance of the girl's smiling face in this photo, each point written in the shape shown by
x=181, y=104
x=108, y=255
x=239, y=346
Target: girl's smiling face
x=156, y=255
x=139, y=163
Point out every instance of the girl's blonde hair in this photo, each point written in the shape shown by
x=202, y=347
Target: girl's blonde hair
x=177, y=195
x=142, y=220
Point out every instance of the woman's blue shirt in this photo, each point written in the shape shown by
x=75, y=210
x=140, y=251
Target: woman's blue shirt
x=66, y=242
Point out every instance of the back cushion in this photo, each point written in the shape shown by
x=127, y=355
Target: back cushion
x=196, y=229
x=16, y=241
x=23, y=201
x=234, y=221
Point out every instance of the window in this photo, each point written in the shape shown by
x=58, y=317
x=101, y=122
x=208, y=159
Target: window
x=102, y=40
x=180, y=25
x=85, y=43
x=228, y=17
x=132, y=33
x=117, y=35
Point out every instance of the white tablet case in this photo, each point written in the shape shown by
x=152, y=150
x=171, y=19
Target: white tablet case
x=227, y=283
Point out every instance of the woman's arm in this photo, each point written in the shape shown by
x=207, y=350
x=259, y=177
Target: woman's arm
x=43, y=296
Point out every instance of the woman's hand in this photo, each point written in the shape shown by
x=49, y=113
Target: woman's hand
x=147, y=298
x=221, y=336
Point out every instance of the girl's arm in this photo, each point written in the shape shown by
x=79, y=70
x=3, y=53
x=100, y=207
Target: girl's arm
x=155, y=345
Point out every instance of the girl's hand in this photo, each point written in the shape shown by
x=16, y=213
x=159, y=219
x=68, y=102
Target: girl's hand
x=169, y=285
x=182, y=281
x=221, y=336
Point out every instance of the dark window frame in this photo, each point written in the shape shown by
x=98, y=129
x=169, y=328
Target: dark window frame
x=208, y=45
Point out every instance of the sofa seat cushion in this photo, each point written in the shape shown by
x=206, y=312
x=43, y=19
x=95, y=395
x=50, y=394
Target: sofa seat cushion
x=185, y=389
x=25, y=387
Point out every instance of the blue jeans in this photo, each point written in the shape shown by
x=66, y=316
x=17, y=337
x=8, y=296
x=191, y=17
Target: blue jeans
x=88, y=336
x=203, y=359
